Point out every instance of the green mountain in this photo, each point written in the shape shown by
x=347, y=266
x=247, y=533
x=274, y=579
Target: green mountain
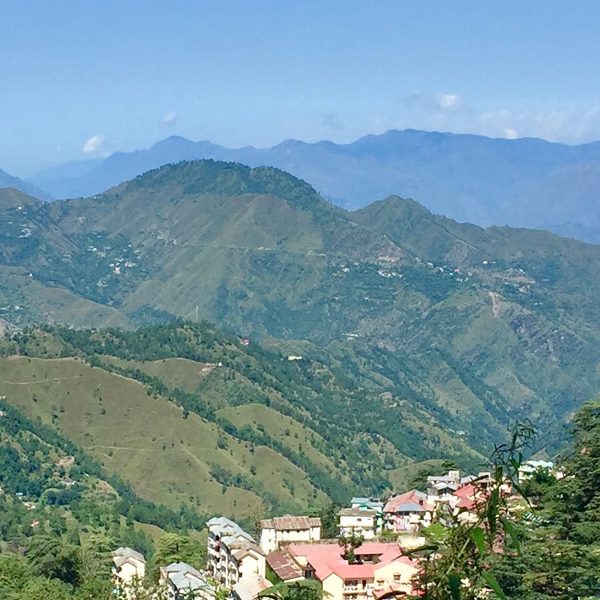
x=190, y=416
x=51, y=486
x=464, y=329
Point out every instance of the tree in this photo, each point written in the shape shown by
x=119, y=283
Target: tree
x=456, y=563
x=52, y=559
x=350, y=543
x=560, y=556
x=308, y=589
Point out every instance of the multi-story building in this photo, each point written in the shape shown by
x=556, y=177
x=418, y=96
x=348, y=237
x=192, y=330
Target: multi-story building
x=381, y=570
x=232, y=553
x=280, y=531
x=408, y=512
x=358, y=521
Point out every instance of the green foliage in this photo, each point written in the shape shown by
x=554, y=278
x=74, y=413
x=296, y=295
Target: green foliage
x=461, y=547
x=560, y=555
x=174, y=547
x=453, y=329
x=308, y=589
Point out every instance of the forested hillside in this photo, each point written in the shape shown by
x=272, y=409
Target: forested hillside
x=189, y=415
x=459, y=328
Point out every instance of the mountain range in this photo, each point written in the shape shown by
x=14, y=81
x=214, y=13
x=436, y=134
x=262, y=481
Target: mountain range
x=10, y=181
x=524, y=182
x=453, y=330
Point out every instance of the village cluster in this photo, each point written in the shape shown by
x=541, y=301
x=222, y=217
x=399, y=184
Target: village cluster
x=291, y=548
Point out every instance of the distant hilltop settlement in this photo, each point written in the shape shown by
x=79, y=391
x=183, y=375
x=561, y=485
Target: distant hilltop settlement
x=368, y=561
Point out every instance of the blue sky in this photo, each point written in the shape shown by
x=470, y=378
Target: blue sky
x=83, y=78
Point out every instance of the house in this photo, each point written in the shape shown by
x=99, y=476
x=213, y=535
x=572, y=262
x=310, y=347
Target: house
x=129, y=566
x=381, y=570
x=182, y=580
x=285, y=530
x=232, y=553
x=408, y=512
x=441, y=487
x=358, y=521
x=530, y=467
x=249, y=587
x=364, y=502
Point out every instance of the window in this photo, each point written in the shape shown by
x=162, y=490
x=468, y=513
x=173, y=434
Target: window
x=397, y=577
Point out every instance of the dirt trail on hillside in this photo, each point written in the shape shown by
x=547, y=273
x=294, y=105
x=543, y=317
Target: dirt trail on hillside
x=42, y=380
x=496, y=308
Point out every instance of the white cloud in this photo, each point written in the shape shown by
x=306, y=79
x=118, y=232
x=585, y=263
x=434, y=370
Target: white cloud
x=169, y=118
x=449, y=101
x=511, y=134
x=92, y=144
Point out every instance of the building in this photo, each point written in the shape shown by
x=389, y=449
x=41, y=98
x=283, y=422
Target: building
x=381, y=570
x=530, y=467
x=129, y=566
x=359, y=521
x=280, y=531
x=249, y=587
x=182, y=580
x=232, y=553
x=368, y=503
x=408, y=512
x=441, y=487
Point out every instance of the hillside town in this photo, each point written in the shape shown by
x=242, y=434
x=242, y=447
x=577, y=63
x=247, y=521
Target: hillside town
x=369, y=560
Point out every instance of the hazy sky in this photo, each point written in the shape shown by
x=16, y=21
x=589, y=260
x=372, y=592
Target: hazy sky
x=84, y=78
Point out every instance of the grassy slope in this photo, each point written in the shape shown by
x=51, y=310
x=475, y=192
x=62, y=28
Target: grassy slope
x=145, y=439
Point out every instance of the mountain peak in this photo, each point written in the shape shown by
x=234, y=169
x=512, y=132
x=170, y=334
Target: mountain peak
x=208, y=176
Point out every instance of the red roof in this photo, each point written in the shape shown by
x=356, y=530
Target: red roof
x=469, y=495
x=412, y=497
x=327, y=559
x=466, y=491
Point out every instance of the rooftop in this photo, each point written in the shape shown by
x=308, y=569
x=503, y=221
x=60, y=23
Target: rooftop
x=284, y=566
x=414, y=497
x=123, y=554
x=185, y=577
x=223, y=527
x=289, y=522
x=327, y=559
x=249, y=586
x=357, y=512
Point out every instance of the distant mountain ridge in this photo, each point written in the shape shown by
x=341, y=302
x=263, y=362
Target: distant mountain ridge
x=9, y=181
x=524, y=183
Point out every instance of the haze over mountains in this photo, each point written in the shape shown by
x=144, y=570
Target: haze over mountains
x=524, y=182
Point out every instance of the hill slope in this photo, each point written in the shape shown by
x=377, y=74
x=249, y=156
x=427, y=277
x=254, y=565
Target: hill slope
x=524, y=182
x=188, y=415
x=469, y=328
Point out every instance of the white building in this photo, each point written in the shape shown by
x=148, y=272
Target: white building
x=232, y=553
x=129, y=566
x=358, y=521
x=183, y=580
x=286, y=530
x=529, y=467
